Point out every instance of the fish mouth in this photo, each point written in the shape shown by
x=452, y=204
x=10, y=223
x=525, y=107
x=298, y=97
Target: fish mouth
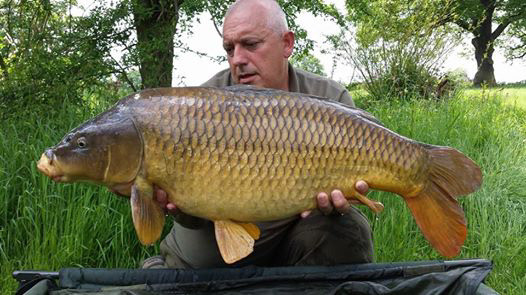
x=47, y=165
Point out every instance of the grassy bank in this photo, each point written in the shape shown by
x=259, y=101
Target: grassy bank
x=515, y=95
x=49, y=226
x=493, y=134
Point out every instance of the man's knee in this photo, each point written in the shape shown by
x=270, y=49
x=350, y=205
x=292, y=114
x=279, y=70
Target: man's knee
x=329, y=240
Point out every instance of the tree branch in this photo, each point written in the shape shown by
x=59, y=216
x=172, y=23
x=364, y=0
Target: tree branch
x=508, y=20
x=521, y=56
x=499, y=30
x=463, y=24
x=123, y=73
x=217, y=28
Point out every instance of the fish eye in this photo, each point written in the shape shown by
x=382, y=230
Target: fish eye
x=81, y=142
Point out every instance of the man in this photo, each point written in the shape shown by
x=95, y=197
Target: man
x=258, y=45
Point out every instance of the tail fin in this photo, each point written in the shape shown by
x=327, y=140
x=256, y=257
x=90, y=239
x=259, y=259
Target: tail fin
x=435, y=208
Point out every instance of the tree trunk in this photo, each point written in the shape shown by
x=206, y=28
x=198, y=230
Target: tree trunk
x=484, y=56
x=155, y=22
x=483, y=43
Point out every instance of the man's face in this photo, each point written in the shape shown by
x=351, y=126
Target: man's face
x=257, y=55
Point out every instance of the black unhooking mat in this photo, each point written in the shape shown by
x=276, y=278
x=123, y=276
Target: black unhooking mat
x=428, y=277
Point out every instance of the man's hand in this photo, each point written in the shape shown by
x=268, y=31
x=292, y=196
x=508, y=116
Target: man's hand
x=181, y=218
x=162, y=198
x=336, y=201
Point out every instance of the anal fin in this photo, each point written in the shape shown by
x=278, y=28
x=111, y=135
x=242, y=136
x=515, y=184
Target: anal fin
x=148, y=216
x=235, y=240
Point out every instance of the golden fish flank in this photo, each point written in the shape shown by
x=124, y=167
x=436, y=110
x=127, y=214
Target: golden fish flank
x=241, y=154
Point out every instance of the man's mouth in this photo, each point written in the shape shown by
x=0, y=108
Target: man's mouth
x=246, y=78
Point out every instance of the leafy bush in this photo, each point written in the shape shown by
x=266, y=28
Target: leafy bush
x=397, y=47
x=309, y=63
x=50, y=58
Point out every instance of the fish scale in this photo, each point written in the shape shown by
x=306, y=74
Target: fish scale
x=240, y=154
x=253, y=127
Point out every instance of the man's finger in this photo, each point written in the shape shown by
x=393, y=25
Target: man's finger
x=305, y=214
x=339, y=202
x=362, y=187
x=160, y=195
x=162, y=198
x=324, y=204
x=171, y=209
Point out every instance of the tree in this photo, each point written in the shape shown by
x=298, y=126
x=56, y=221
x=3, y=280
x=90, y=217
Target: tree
x=396, y=47
x=48, y=55
x=44, y=53
x=477, y=17
x=309, y=63
x=155, y=22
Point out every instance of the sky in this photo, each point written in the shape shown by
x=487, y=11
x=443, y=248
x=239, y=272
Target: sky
x=191, y=69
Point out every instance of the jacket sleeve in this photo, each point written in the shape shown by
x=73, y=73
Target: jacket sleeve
x=189, y=221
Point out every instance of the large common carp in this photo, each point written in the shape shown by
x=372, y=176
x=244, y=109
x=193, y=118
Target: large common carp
x=239, y=155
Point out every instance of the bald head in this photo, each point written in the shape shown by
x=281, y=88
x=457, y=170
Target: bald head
x=258, y=43
x=269, y=9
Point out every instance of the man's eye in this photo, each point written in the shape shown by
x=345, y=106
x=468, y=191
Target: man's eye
x=252, y=45
x=228, y=49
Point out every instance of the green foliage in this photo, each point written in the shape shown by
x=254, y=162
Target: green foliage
x=395, y=73
x=479, y=18
x=452, y=82
x=318, y=8
x=48, y=226
x=509, y=15
x=515, y=40
x=49, y=56
x=472, y=16
x=399, y=48
x=512, y=94
x=309, y=63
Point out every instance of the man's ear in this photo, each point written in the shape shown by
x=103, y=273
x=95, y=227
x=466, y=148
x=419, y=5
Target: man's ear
x=288, y=44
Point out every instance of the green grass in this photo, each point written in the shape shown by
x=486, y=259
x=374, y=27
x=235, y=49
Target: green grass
x=48, y=226
x=515, y=95
x=493, y=133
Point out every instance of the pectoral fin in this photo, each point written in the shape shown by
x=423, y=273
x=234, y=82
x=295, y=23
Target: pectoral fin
x=235, y=240
x=148, y=216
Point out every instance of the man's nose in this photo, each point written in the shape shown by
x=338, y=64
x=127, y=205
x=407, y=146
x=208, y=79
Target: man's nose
x=239, y=56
